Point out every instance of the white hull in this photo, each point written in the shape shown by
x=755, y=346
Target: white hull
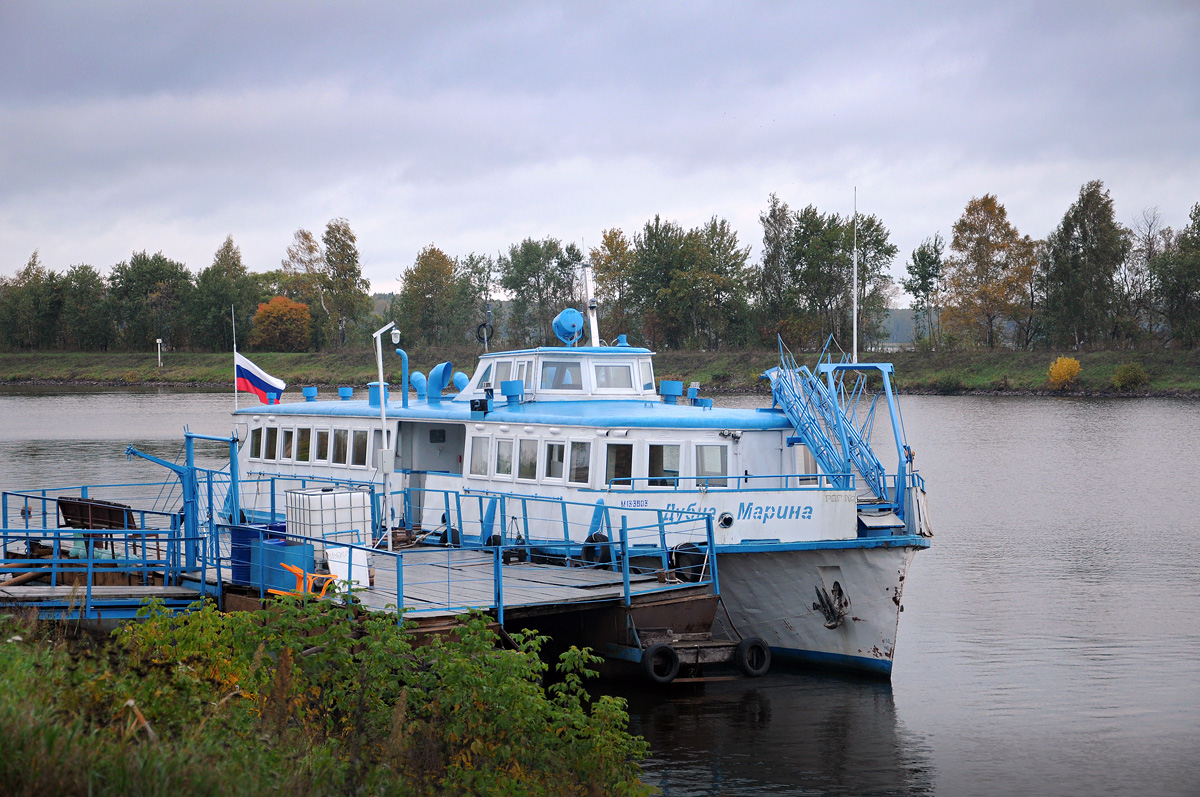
x=770, y=593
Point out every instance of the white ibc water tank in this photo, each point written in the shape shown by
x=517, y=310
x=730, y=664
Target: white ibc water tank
x=329, y=513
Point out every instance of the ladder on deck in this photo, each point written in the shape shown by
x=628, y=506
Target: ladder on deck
x=820, y=421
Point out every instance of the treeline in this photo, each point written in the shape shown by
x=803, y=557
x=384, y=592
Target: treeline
x=317, y=299
x=1090, y=283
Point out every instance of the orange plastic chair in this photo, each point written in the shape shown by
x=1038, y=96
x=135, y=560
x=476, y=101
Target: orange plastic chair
x=304, y=586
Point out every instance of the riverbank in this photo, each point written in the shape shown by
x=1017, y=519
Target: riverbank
x=1169, y=372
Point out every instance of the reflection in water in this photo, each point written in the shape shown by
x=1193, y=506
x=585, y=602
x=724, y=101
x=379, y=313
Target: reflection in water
x=788, y=733
x=1050, y=634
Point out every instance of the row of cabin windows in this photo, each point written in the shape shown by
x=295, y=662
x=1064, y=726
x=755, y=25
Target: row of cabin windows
x=334, y=446
x=573, y=459
x=567, y=375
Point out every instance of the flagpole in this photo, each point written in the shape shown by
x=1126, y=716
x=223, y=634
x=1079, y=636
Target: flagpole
x=233, y=318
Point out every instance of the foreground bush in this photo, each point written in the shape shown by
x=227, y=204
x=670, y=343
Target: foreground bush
x=1130, y=376
x=307, y=699
x=1063, y=373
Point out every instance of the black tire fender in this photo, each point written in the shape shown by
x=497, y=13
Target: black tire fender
x=660, y=663
x=752, y=657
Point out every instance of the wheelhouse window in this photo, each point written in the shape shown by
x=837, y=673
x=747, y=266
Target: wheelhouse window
x=647, y=375
x=289, y=438
x=479, y=455
x=525, y=374
x=271, y=443
x=322, y=445
x=303, y=444
x=581, y=460
x=614, y=377
x=360, y=448
x=341, y=438
x=487, y=375
x=561, y=375
x=527, y=460
x=503, y=372
x=663, y=467
x=504, y=452
x=256, y=443
x=712, y=465
x=619, y=463
x=555, y=454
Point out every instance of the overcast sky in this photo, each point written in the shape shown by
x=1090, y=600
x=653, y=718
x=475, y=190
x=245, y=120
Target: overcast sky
x=167, y=126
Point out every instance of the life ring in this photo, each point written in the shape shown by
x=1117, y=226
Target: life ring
x=752, y=657
x=660, y=663
x=483, y=333
x=596, y=549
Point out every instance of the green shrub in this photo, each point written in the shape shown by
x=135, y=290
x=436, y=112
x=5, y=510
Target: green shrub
x=1063, y=373
x=1130, y=376
x=307, y=698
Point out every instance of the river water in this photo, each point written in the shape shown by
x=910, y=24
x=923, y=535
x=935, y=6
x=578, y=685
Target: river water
x=1050, y=642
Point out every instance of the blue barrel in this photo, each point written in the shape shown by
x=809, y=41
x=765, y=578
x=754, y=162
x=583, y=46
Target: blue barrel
x=240, y=541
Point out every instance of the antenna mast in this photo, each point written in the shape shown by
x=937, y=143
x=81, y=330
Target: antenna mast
x=854, y=303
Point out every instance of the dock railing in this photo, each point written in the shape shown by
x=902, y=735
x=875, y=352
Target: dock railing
x=484, y=566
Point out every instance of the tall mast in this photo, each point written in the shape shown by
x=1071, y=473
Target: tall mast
x=592, y=305
x=854, y=302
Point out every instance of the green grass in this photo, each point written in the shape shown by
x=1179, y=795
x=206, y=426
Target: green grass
x=1170, y=371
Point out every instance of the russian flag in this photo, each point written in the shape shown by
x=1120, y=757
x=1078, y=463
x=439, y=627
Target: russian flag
x=251, y=378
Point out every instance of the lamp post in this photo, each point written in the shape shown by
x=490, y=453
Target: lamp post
x=387, y=454
x=158, y=342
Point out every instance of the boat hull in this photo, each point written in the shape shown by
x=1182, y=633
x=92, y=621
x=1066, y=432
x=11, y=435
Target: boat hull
x=835, y=604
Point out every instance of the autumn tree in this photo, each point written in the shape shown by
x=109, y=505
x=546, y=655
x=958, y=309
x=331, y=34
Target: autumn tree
x=281, y=325
x=776, y=286
x=1136, y=317
x=708, y=288
x=1084, y=254
x=612, y=263
x=982, y=288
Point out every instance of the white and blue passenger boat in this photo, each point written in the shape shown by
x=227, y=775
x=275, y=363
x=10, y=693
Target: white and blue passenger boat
x=814, y=536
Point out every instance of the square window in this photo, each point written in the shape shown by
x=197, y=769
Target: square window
x=581, y=460
x=612, y=377
x=289, y=437
x=360, y=448
x=322, y=445
x=256, y=443
x=303, y=444
x=712, y=466
x=479, y=456
x=504, y=457
x=271, y=443
x=663, y=468
x=341, y=438
x=527, y=461
x=619, y=463
x=555, y=454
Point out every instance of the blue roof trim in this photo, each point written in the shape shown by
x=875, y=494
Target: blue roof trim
x=633, y=413
x=615, y=350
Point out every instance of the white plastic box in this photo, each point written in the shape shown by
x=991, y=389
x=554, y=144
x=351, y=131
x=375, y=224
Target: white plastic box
x=336, y=515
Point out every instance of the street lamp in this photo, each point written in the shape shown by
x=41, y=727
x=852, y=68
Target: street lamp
x=387, y=454
x=158, y=342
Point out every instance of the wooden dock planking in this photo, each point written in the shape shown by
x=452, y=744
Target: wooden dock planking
x=37, y=592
